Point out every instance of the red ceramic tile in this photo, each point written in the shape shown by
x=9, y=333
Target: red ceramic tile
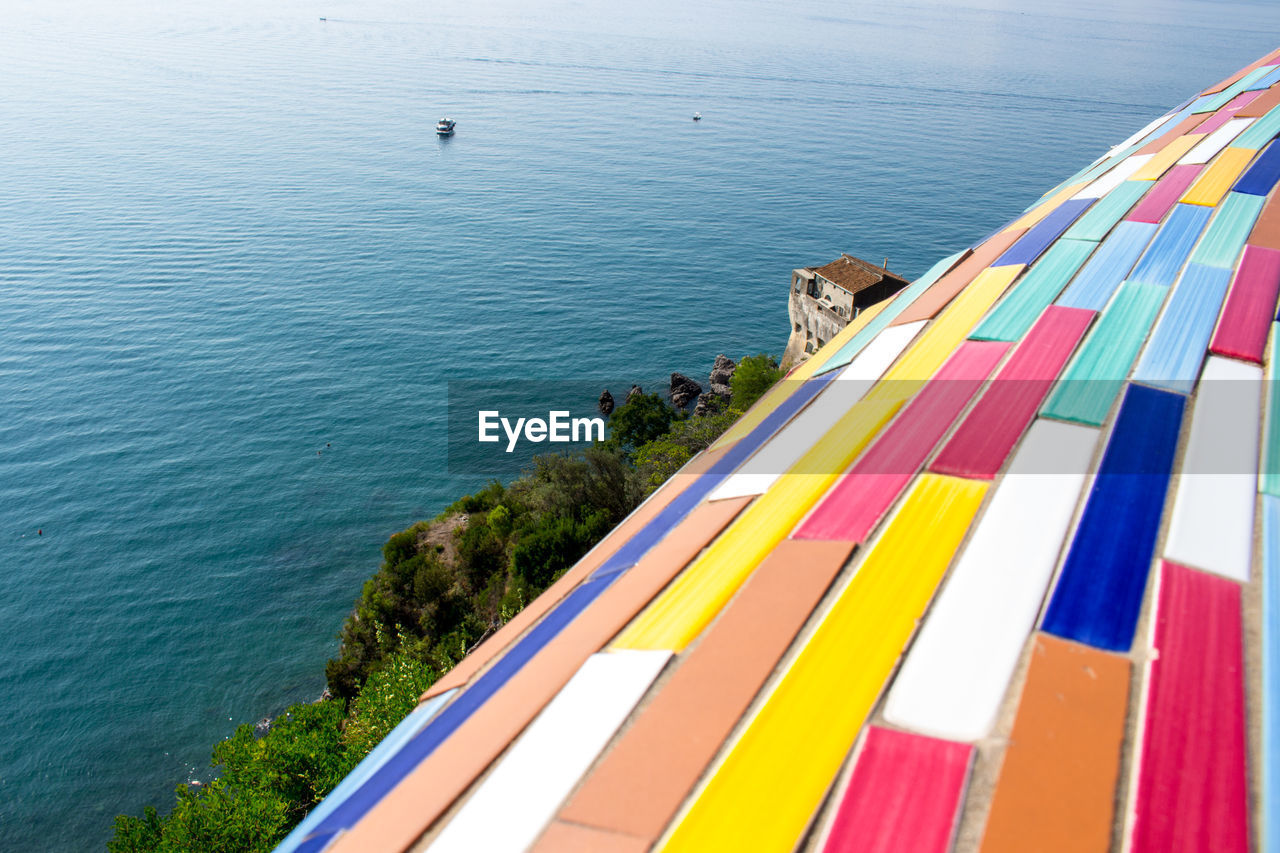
x=1192, y=782
x=903, y=796
x=1156, y=203
x=1228, y=112
x=1246, y=319
x=986, y=437
x=860, y=498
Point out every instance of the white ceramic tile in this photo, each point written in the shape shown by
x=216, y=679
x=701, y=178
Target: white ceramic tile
x=958, y=669
x=1140, y=134
x=520, y=797
x=782, y=451
x=1212, y=523
x=1116, y=176
x=1206, y=149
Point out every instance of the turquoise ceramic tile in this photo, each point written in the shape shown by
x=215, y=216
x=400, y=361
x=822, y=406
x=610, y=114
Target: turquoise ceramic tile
x=1107, y=211
x=1208, y=103
x=1093, y=379
x=1260, y=132
x=1225, y=236
x=1042, y=283
x=1269, y=475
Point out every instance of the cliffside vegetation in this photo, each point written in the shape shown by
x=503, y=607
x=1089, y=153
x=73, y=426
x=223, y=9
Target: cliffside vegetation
x=443, y=586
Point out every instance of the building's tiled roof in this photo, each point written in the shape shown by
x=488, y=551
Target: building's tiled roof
x=855, y=274
x=998, y=566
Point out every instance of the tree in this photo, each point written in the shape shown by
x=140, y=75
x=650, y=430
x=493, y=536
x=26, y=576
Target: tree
x=641, y=419
x=754, y=375
x=657, y=460
x=545, y=552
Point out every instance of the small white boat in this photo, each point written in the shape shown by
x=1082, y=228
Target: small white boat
x=445, y=126
x=697, y=116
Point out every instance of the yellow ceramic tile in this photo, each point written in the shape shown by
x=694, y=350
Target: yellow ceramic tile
x=696, y=596
x=779, y=392
x=763, y=794
x=936, y=344
x=1213, y=183
x=1166, y=157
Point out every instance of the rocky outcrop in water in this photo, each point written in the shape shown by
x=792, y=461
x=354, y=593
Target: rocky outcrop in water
x=683, y=390
x=605, y=403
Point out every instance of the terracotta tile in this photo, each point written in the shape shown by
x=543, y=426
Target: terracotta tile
x=641, y=782
x=1266, y=231
x=1260, y=105
x=562, y=837
x=1182, y=128
x=536, y=609
x=945, y=289
x=1056, y=791
x=422, y=796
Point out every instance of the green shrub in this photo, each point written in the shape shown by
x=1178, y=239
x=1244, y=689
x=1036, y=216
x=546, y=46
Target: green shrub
x=481, y=551
x=641, y=419
x=266, y=785
x=754, y=375
x=389, y=694
x=656, y=461
x=546, y=551
x=482, y=501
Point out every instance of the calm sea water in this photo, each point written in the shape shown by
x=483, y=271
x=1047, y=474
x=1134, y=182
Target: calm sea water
x=230, y=239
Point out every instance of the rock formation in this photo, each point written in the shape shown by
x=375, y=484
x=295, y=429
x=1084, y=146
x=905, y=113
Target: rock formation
x=605, y=403
x=721, y=373
x=683, y=390
x=708, y=404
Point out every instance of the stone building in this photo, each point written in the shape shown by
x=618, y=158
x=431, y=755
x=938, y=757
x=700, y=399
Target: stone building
x=824, y=299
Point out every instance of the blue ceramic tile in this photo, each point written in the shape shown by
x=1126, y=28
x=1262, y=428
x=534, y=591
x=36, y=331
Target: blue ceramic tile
x=1035, y=241
x=1103, y=579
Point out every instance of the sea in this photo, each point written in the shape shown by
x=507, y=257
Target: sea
x=238, y=270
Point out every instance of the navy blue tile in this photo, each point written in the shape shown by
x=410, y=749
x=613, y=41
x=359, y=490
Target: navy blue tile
x=1261, y=177
x=1100, y=590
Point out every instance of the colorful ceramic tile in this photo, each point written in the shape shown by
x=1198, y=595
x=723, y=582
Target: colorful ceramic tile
x=1102, y=582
